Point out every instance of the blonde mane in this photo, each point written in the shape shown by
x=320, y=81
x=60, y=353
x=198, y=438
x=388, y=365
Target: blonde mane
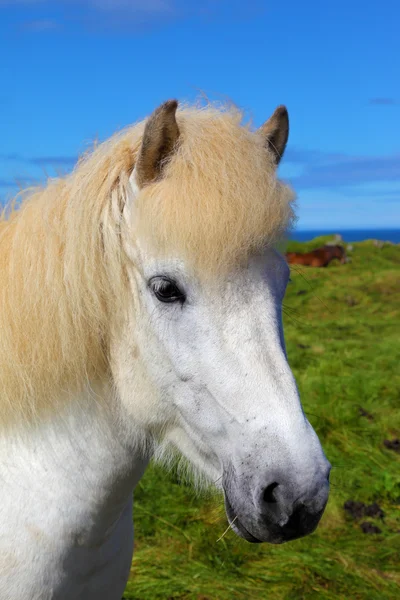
x=62, y=265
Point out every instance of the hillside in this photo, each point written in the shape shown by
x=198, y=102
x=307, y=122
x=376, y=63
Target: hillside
x=342, y=327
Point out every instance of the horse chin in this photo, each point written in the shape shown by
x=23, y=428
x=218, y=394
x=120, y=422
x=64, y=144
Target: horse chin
x=270, y=535
x=268, y=531
x=237, y=525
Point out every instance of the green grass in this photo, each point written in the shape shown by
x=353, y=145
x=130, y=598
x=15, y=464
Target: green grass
x=342, y=328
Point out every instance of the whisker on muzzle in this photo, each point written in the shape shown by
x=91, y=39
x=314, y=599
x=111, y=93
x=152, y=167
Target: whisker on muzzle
x=226, y=530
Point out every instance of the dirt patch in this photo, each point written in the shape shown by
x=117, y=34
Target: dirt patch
x=370, y=528
x=357, y=510
x=392, y=444
x=374, y=510
x=354, y=509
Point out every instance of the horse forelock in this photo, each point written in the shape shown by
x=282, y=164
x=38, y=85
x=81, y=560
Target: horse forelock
x=219, y=199
x=62, y=262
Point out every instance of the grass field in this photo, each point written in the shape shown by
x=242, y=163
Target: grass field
x=342, y=327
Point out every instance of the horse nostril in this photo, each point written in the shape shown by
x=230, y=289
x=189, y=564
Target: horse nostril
x=268, y=495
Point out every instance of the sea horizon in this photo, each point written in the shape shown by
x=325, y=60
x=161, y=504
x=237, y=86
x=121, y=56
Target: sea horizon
x=349, y=235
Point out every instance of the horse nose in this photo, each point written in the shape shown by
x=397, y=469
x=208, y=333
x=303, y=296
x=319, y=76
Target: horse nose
x=281, y=489
x=293, y=512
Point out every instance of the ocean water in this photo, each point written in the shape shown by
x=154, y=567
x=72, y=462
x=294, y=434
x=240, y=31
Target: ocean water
x=351, y=235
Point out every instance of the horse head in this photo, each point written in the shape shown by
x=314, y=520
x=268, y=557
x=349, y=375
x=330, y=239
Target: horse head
x=200, y=362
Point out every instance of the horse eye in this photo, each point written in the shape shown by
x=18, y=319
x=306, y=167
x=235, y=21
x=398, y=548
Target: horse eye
x=166, y=290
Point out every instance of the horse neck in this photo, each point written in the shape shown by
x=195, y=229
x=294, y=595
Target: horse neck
x=81, y=467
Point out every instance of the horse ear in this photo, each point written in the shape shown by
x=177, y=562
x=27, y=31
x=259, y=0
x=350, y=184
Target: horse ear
x=276, y=132
x=159, y=139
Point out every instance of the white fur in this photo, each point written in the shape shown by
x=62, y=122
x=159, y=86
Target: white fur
x=209, y=377
x=66, y=529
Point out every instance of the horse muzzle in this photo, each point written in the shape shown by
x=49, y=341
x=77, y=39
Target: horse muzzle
x=277, y=513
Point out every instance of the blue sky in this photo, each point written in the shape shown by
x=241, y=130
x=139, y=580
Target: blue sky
x=76, y=70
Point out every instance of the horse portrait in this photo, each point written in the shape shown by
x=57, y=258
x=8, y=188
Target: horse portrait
x=141, y=317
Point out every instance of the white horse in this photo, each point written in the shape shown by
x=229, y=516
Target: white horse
x=140, y=308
